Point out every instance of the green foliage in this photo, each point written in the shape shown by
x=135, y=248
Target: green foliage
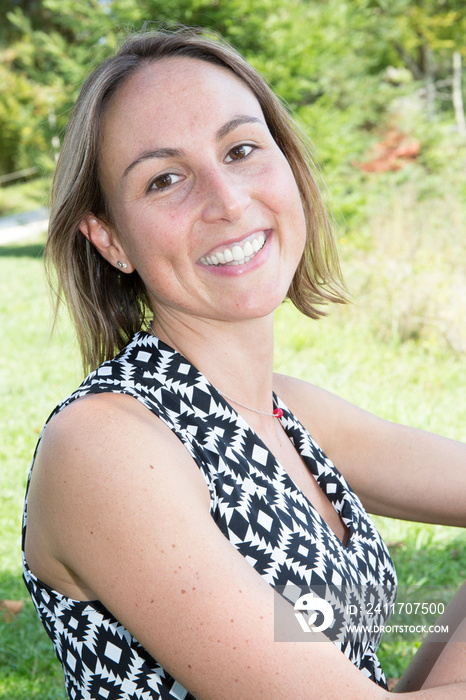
x=328, y=60
x=23, y=197
x=16, y=117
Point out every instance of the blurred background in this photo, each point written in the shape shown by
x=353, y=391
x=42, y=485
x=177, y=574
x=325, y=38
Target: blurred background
x=379, y=86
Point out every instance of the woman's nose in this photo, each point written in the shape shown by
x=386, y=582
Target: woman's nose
x=224, y=197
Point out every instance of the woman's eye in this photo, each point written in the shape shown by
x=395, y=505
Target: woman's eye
x=163, y=181
x=239, y=152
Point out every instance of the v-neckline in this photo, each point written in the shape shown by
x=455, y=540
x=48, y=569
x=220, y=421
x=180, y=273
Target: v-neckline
x=287, y=416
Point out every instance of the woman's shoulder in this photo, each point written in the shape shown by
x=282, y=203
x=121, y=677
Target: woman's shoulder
x=98, y=427
x=311, y=404
x=97, y=459
x=110, y=389
x=300, y=392
x=88, y=415
x=334, y=422
x=108, y=439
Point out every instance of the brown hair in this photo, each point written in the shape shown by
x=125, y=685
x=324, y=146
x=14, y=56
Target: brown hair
x=109, y=307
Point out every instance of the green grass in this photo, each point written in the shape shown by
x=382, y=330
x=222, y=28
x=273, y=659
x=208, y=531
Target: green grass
x=29, y=669
x=35, y=371
x=417, y=381
x=433, y=559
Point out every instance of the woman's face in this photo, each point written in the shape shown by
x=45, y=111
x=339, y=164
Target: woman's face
x=205, y=205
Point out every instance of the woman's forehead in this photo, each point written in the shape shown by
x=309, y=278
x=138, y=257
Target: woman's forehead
x=178, y=85
x=169, y=104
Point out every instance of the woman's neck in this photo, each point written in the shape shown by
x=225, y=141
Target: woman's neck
x=236, y=357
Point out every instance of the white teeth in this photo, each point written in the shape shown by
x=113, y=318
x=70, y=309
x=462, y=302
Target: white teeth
x=239, y=254
x=247, y=249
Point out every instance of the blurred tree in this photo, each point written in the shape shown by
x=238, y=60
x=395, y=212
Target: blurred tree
x=47, y=46
x=327, y=59
x=425, y=36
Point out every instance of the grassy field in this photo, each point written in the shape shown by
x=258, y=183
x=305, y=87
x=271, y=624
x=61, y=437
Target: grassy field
x=410, y=371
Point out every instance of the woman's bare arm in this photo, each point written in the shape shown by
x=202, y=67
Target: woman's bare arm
x=121, y=506
x=397, y=471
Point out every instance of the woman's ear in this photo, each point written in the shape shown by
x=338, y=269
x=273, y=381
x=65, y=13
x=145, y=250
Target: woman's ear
x=102, y=238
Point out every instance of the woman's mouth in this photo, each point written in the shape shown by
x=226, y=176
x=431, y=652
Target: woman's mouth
x=238, y=253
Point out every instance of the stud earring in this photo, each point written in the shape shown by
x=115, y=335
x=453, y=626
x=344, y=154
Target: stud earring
x=121, y=265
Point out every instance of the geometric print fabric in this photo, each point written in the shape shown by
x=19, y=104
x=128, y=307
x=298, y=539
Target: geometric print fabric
x=255, y=504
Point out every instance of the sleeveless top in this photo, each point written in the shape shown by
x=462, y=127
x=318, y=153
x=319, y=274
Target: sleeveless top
x=254, y=503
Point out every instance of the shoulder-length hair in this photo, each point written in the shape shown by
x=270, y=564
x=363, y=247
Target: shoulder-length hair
x=108, y=307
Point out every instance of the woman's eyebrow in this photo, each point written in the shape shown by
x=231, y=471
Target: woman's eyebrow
x=156, y=153
x=176, y=152
x=234, y=123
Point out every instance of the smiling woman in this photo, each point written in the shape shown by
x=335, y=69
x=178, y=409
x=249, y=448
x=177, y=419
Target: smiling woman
x=103, y=326
x=168, y=526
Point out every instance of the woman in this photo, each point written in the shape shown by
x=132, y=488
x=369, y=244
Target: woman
x=158, y=528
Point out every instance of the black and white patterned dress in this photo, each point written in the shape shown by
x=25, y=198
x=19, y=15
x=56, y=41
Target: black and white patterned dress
x=254, y=503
